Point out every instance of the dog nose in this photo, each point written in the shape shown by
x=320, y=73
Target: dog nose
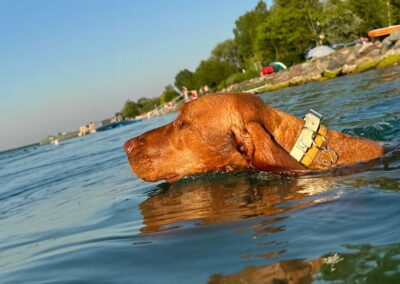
x=133, y=144
x=129, y=146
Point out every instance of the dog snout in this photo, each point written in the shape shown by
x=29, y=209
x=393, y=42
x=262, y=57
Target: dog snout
x=128, y=147
x=131, y=145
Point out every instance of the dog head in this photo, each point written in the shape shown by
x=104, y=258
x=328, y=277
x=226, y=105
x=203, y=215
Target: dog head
x=209, y=134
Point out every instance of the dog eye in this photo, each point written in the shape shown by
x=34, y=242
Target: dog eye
x=180, y=123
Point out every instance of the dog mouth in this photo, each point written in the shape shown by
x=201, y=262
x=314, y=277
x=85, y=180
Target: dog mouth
x=143, y=166
x=172, y=177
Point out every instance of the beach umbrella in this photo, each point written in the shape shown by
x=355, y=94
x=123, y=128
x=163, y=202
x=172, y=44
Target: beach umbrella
x=319, y=51
x=278, y=66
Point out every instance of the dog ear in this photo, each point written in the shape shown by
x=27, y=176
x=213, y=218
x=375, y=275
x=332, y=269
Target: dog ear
x=258, y=146
x=243, y=141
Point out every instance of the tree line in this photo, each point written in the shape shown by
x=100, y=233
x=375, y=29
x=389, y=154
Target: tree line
x=282, y=32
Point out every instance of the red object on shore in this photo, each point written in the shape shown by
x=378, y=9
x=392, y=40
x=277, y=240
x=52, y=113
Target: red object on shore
x=267, y=70
x=383, y=31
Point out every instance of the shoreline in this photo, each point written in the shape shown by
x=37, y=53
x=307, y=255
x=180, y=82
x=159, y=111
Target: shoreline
x=345, y=61
x=36, y=144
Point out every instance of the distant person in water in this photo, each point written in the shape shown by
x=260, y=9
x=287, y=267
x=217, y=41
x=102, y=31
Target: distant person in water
x=185, y=93
x=193, y=94
x=204, y=90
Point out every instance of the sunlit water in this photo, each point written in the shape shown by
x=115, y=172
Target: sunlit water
x=75, y=213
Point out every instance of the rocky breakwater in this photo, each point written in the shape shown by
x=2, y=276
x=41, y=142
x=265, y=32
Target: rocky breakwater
x=358, y=58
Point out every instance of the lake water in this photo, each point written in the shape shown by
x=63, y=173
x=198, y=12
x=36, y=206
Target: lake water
x=75, y=213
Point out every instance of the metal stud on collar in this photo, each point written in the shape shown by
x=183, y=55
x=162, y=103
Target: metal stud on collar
x=331, y=159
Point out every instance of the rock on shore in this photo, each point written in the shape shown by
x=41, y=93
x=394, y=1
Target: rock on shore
x=356, y=59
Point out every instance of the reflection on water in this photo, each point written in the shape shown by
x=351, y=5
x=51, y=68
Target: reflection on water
x=227, y=197
x=272, y=203
x=291, y=271
x=217, y=198
x=368, y=264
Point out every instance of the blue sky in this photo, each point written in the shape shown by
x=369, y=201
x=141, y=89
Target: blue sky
x=64, y=63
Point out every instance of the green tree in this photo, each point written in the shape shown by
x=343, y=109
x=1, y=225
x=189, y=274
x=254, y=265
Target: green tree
x=146, y=104
x=372, y=13
x=340, y=23
x=185, y=78
x=394, y=10
x=169, y=94
x=227, y=51
x=213, y=72
x=143, y=105
x=292, y=26
x=245, y=32
x=130, y=109
x=375, y=14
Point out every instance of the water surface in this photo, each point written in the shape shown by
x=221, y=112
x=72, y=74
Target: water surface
x=75, y=213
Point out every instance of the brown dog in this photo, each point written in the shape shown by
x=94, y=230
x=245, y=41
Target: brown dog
x=228, y=132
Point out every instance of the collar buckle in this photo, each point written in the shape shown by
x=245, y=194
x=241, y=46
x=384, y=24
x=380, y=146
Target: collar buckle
x=307, y=139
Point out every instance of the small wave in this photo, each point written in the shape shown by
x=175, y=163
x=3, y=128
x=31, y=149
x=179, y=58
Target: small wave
x=383, y=131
